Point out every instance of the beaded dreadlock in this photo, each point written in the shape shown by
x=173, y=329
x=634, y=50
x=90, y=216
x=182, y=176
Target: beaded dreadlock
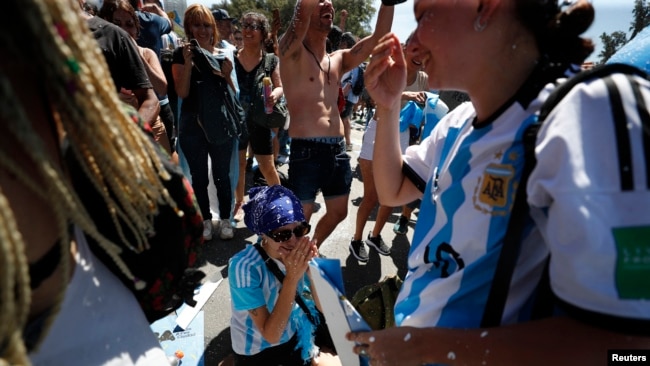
x=114, y=154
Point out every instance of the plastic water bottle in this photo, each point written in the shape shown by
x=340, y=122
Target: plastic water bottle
x=268, y=107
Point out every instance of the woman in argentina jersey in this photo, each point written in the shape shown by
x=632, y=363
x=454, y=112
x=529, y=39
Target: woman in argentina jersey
x=268, y=325
x=467, y=174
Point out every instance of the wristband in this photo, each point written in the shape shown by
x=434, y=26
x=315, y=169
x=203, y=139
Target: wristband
x=392, y=2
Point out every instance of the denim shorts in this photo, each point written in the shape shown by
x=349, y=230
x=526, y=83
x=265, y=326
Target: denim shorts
x=319, y=164
x=260, y=138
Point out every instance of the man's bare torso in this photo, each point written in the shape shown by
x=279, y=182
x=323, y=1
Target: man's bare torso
x=312, y=94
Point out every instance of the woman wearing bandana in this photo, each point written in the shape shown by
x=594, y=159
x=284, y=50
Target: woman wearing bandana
x=268, y=326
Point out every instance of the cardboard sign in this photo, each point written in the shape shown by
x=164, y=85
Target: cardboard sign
x=339, y=313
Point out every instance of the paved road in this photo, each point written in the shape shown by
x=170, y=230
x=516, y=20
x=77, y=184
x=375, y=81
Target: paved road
x=355, y=274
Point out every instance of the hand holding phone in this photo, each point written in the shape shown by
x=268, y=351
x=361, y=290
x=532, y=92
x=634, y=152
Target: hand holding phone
x=276, y=23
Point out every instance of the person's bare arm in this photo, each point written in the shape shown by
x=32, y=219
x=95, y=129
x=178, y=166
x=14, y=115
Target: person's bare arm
x=291, y=41
x=343, y=19
x=278, y=91
x=276, y=23
x=155, y=9
x=354, y=56
x=148, y=102
x=273, y=324
x=385, y=79
x=154, y=70
x=415, y=96
x=551, y=341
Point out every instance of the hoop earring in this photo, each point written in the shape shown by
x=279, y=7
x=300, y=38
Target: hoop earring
x=478, y=26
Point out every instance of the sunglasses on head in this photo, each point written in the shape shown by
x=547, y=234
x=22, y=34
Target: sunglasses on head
x=284, y=235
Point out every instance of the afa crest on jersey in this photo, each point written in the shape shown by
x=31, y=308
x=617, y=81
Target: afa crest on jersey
x=495, y=192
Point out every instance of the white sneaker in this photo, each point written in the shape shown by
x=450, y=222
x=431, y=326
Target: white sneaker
x=207, y=230
x=226, y=231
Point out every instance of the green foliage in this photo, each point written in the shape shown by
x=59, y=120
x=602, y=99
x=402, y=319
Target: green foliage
x=641, y=13
x=611, y=43
x=360, y=12
x=614, y=41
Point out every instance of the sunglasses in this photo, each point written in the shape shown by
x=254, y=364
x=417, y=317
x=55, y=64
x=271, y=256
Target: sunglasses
x=284, y=235
x=251, y=26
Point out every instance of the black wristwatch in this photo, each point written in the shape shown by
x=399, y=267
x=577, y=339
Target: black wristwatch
x=392, y=2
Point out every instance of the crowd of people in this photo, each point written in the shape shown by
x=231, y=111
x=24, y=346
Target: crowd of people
x=160, y=105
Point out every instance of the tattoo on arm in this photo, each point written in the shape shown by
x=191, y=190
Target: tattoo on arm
x=290, y=37
x=253, y=312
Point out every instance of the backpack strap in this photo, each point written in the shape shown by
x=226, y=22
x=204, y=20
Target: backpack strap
x=268, y=62
x=600, y=71
x=498, y=295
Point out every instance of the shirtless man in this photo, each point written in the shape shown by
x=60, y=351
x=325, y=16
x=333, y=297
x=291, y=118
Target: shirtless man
x=311, y=80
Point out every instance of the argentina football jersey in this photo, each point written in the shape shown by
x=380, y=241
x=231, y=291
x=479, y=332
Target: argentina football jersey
x=464, y=216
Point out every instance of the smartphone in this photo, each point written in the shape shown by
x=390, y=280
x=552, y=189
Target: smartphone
x=392, y=2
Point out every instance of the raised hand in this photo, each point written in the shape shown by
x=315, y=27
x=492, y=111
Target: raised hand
x=297, y=261
x=385, y=75
x=276, y=23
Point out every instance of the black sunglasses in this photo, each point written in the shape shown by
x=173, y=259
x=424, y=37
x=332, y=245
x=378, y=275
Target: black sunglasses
x=251, y=26
x=284, y=235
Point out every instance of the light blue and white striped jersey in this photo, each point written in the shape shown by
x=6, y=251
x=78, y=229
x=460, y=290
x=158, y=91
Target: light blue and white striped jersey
x=472, y=176
x=597, y=234
x=253, y=285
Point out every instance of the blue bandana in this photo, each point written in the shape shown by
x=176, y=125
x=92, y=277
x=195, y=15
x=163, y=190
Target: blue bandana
x=270, y=208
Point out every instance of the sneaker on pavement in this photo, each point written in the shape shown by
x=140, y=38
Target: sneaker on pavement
x=378, y=244
x=207, y=230
x=401, y=226
x=359, y=251
x=226, y=232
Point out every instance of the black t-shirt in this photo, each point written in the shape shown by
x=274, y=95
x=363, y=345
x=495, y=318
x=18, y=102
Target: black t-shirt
x=246, y=81
x=121, y=55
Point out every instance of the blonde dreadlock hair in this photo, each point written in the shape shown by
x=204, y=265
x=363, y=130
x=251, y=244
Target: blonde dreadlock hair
x=114, y=154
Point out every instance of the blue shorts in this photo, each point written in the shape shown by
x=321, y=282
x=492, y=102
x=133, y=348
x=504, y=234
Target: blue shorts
x=319, y=164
